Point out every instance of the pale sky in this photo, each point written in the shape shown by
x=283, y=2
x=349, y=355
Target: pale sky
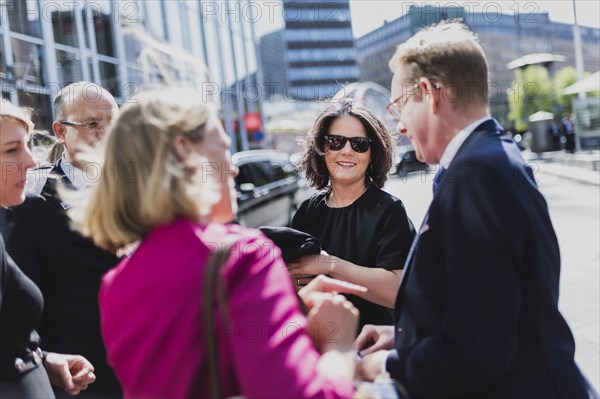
x=368, y=15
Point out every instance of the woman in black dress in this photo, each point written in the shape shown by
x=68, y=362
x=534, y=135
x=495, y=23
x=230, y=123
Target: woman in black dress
x=21, y=372
x=364, y=230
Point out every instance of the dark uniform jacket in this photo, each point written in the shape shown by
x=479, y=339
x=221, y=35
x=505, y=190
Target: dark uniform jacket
x=68, y=269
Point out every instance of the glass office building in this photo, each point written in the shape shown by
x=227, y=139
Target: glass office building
x=126, y=45
x=318, y=55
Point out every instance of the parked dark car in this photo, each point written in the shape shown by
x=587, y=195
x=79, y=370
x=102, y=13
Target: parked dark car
x=407, y=162
x=267, y=186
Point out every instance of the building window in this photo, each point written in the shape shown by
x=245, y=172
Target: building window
x=136, y=79
x=154, y=19
x=69, y=67
x=108, y=77
x=313, y=35
x=133, y=48
x=65, y=28
x=102, y=21
x=2, y=58
x=24, y=17
x=174, y=23
x=40, y=103
x=323, y=54
x=29, y=58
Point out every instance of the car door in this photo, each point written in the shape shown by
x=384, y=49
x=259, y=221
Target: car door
x=266, y=190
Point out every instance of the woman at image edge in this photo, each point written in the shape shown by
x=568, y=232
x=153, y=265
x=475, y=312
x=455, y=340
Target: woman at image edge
x=364, y=230
x=176, y=206
x=21, y=301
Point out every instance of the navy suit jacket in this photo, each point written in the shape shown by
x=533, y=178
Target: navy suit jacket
x=476, y=313
x=68, y=268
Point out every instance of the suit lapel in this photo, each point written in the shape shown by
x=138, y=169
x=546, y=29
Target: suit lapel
x=50, y=193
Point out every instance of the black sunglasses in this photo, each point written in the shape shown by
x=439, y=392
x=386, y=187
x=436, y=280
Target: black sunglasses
x=358, y=144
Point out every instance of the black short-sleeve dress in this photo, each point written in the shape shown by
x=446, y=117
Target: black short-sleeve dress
x=21, y=305
x=374, y=231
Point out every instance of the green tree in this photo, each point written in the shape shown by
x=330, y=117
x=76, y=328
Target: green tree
x=564, y=78
x=529, y=93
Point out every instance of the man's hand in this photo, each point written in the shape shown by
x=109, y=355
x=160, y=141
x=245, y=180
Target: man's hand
x=73, y=373
x=374, y=338
x=370, y=366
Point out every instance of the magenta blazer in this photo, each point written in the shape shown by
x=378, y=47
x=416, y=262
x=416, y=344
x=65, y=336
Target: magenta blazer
x=152, y=324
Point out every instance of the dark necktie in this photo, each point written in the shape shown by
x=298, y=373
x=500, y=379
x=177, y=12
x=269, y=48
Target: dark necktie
x=438, y=178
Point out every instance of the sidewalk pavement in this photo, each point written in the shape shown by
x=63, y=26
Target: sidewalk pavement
x=583, y=166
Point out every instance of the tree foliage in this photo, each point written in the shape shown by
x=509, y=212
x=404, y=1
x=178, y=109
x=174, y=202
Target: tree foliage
x=529, y=93
x=564, y=78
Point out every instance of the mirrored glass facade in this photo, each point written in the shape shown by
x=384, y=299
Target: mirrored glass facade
x=319, y=54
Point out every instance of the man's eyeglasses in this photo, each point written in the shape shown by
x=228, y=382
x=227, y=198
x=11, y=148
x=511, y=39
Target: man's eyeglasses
x=358, y=144
x=88, y=125
x=394, y=109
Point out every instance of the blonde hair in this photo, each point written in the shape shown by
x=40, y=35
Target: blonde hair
x=143, y=183
x=23, y=115
x=448, y=53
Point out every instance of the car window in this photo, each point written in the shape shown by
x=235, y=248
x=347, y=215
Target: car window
x=261, y=172
x=253, y=172
x=286, y=170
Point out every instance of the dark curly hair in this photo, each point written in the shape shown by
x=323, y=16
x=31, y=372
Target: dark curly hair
x=382, y=147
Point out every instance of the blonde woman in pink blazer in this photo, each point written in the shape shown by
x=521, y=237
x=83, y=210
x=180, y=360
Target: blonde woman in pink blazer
x=167, y=188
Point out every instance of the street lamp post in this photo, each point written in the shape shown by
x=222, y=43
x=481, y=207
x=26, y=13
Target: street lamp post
x=578, y=50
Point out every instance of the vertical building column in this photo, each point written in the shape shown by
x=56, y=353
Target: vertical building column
x=227, y=108
x=120, y=47
x=50, y=66
x=14, y=98
x=260, y=80
x=89, y=21
x=240, y=101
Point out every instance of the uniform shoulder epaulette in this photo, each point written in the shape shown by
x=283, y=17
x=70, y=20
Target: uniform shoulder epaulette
x=37, y=178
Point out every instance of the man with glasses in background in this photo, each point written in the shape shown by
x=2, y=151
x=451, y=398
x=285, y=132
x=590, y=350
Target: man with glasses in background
x=477, y=313
x=66, y=266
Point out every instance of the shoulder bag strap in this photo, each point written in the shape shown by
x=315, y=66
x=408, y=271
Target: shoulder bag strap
x=212, y=281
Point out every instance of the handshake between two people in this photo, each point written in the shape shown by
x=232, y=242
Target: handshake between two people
x=333, y=320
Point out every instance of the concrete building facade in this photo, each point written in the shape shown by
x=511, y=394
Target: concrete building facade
x=504, y=39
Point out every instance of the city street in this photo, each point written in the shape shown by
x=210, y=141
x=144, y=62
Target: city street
x=575, y=213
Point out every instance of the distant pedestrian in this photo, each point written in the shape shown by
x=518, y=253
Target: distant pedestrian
x=569, y=132
x=555, y=135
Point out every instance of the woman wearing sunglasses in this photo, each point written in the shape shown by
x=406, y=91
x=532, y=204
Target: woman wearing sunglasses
x=364, y=230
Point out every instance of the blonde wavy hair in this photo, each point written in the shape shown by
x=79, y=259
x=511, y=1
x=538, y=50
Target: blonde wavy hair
x=143, y=183
x=22, y=115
